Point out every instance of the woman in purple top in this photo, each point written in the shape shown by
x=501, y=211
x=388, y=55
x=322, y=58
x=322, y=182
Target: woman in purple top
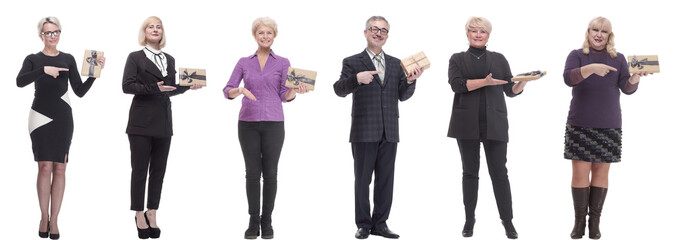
x=597, y=73
x=261, y=121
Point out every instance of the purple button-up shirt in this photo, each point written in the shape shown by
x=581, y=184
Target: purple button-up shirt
x=266, y=85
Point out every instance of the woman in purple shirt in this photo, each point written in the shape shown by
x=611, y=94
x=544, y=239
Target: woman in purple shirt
x=261, y=121
x=597, y=73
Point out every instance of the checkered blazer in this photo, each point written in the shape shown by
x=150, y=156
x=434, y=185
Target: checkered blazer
x=375, y=106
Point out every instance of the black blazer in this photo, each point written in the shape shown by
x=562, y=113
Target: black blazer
x=465, y=115
x=375, y=106
x=150, y=111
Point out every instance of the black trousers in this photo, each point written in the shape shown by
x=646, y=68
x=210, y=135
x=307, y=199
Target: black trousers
x=147, y=153
x=496, y=158
x=261, y=144
x=370, y=158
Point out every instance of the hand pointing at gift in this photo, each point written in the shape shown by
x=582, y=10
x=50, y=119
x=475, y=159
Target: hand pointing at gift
x=366, y=77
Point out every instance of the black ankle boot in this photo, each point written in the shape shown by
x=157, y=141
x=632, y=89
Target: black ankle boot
x=580, y=204
x=510, y=231
x=468, y=229
x=254, y=227
x=597, y=196
x=266, y=227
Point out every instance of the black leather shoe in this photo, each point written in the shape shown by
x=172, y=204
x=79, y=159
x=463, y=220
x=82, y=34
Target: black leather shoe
x=54, y=236
x=154, y=232
x=362, y=233
x=384, y=232
x=509, y=230
x=44, y=234
x=468, y=229
x=254, y=229
x=142, y=233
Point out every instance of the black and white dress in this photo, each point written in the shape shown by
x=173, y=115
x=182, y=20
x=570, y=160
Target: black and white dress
x=50, y=122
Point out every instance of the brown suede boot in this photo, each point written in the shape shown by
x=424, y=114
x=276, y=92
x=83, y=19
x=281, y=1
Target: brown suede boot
x=580, y=203
x=597, y=196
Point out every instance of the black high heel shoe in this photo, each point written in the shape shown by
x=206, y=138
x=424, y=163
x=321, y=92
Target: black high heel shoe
x=44, y=234
x=142, y=233
x=52, y=235
x=468, y=229
x=154, y=232
x=510, y=231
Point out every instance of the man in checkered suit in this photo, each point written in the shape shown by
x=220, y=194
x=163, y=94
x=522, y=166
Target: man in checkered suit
x=377, y=84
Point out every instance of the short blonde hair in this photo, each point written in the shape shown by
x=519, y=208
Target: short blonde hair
x=45, y=20
x=478, y=22
x=142, y=32
x=266, y=21
x=601, y=23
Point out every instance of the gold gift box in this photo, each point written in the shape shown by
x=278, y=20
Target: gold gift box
x=90, y=65
x=188, y=76
x=415, y=61
x=529, y=76
x=296, y=76
x=643, y=63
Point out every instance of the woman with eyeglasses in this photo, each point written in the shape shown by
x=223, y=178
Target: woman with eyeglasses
x=150, y=75
x=50, y=122
x=261, y=122
x=480, y=80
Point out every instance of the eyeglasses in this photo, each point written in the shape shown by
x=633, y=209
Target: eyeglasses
x=375, y=29
x=51, y=34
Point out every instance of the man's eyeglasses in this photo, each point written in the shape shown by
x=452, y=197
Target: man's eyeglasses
x=375, y=29
x=51, y=34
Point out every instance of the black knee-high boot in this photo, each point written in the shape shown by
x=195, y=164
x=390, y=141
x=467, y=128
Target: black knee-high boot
x=580, y=204
x=597, y=196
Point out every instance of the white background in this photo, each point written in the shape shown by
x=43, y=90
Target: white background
x=204, y=195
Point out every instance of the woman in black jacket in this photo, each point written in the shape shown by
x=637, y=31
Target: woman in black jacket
x=150, y=75
x=478, y=78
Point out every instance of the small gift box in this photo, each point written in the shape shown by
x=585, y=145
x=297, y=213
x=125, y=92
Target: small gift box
x=529, y=76
x=643, y=63
x=90, y=65
x=418, y=60
x=296, y=76
x=189, y=76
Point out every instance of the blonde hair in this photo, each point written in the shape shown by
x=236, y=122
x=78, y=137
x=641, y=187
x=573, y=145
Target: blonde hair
x=142, y=32
x=601, y=23
x=45, y=20
x=478, y=22
x=266, y=21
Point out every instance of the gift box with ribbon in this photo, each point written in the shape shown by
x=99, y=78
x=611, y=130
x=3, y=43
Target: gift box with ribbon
x=418, y=60
x=90, y=65
x=529, y=76
x=189, y=76
x=296, y=76
x=643, y=63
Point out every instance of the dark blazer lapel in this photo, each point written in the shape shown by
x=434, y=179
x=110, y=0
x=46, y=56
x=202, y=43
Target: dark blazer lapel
x=150, y=65
x=390, y=69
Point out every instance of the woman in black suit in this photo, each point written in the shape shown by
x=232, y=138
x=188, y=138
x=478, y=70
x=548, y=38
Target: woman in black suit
x=478, y=78
x=150, y=75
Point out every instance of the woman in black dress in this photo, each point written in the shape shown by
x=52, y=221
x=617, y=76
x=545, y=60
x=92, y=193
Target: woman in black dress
x=150, y=75
x=50, y=121
x=480, y=80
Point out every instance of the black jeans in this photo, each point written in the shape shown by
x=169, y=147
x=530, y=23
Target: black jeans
x=261, y=144
x=496, y=158
x=147, y=153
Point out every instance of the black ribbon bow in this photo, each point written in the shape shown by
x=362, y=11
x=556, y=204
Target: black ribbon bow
x=92, y=63
x=297, y=79
x=192, y=76
x=636, y=63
